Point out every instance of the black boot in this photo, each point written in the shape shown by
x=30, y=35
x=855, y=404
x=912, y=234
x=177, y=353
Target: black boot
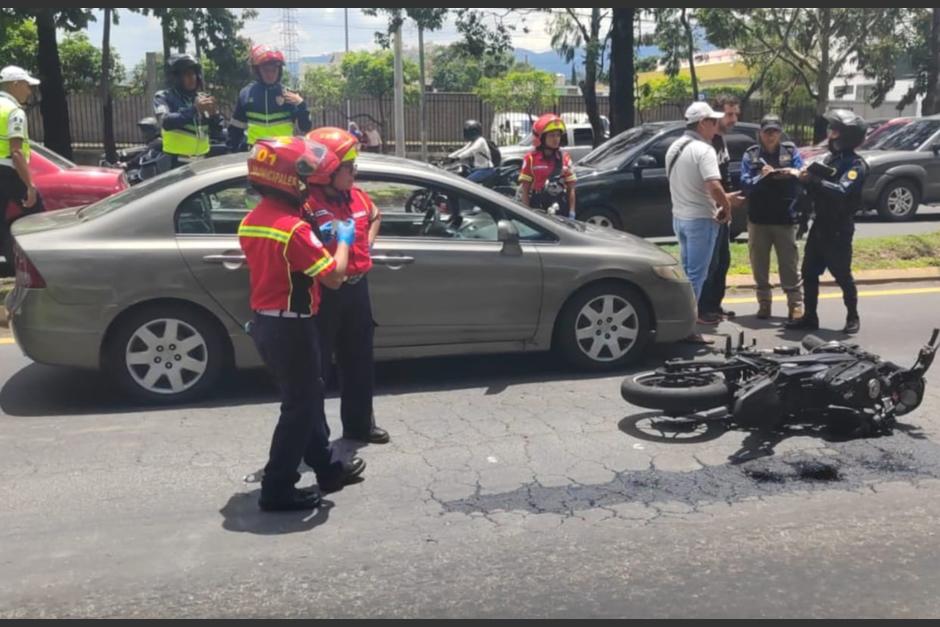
x=809, y=322
x=292, y=500
x=852, y=324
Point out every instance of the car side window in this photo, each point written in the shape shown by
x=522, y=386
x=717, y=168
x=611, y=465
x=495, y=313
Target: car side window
x=583, y=137
x=216, y=210
x=660, y=147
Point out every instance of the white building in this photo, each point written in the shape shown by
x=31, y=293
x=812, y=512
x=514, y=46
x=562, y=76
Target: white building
x=852, y=90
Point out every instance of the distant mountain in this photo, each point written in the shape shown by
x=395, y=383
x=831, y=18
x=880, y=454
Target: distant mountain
x=551, y=61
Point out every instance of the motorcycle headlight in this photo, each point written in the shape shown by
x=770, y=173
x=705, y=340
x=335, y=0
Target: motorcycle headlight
x=671, y=272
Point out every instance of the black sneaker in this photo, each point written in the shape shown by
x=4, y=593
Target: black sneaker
x=852, y=325
x=292, y=501
x=806, y=323
x=378, y=435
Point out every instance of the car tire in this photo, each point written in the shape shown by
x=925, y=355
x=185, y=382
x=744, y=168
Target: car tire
x=167, y=353
x=899, y=201
x=614, y=342
x=601, y=216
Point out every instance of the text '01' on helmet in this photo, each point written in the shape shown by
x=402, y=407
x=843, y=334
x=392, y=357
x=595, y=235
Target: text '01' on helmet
x=851, y=126
x=472, y=129
x=282, y=164
x=342, y=146
x=546, y=124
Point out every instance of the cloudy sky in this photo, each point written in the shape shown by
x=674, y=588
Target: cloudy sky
x=319, y=31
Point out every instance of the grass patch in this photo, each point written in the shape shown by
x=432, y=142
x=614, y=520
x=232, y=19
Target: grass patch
x=869, y=253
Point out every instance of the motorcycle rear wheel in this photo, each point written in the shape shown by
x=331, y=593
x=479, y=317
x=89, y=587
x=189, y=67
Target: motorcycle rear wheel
x=680, y=393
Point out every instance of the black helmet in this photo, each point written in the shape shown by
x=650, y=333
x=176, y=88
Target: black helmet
x=472, y=129
x=182, y=62
x=851, y=129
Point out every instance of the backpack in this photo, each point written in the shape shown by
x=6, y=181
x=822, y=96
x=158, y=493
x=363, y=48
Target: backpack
x=495, y=155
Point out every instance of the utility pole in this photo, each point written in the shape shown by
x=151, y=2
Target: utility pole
x=422, y=109
x=346, y=22
x=399, y=97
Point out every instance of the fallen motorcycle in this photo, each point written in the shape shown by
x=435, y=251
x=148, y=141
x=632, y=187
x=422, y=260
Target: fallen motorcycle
x=766, y=388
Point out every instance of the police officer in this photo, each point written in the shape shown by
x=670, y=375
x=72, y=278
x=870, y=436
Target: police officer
x=836, y=195
x=345, y=320
x=188, y=119
x=769, y=172
x=16, y=183
x=287, y=264
x=547, y=176
x=265, y=108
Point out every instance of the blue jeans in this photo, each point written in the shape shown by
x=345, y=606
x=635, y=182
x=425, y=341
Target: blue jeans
x=696, y=246
x=480, y=174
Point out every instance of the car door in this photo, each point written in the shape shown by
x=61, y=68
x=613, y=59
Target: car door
x=206, y=225
x=646, y=204
x=932, y=166
x=441, y=276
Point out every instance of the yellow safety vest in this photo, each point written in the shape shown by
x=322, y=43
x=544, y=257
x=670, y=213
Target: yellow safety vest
x=7, y=107
x=190, y=141
x=261, y=125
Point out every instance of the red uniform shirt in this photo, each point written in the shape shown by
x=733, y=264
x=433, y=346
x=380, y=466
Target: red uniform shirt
x=284, y=257
x=536, y=169
x=356, y=205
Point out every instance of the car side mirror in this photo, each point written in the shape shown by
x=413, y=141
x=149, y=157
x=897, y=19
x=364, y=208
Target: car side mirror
x=644, y=162
x=508, y=234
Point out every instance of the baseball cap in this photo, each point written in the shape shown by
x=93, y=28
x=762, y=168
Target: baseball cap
x=699, y=111
x=13, y=73
x=771, y=121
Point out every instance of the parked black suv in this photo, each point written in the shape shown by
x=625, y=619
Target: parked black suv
x=622, y=183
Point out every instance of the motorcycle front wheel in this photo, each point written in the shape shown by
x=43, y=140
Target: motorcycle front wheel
x=678, y=393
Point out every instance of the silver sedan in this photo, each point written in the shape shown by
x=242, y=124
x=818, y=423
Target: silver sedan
x=150, y=285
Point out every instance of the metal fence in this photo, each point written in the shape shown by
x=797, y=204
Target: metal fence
x=446, y=113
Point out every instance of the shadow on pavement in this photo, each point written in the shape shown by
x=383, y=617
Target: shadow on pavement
x=39, y=390
x=242, y=514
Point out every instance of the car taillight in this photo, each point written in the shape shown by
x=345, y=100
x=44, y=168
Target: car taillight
x=27, y=276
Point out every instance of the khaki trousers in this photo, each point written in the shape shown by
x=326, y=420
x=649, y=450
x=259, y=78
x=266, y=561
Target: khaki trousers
x=782, y=238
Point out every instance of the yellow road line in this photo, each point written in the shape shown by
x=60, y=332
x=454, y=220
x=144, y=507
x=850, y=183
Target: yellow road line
x=901, y=292
x=7, y=340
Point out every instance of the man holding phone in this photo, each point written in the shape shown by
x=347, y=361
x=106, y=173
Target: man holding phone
x=769, y=177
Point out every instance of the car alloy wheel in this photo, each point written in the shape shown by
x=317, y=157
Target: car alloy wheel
x=606, y=328
x=901, y=201
x=166, y=356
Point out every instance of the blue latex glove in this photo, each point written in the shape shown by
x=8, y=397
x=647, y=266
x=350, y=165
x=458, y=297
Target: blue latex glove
x=346, y=232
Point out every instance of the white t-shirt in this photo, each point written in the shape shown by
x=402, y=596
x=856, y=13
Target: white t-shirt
x=477, y=153
x=697, y=163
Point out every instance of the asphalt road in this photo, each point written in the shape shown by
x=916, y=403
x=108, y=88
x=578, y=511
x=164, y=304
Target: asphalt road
x=511, y=488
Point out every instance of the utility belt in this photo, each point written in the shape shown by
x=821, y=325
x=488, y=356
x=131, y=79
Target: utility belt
x=281, y=313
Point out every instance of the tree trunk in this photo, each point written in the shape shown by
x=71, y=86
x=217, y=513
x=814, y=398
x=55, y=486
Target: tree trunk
x=589, y=84
x=110, y=150
x=931, y=102
x=691, y=44
x=622, y=101
x=54, y=106
x=822, y=76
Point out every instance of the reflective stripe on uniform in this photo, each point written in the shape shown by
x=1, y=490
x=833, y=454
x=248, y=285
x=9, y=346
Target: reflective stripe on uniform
x=265, y=232
x=319, y=266
x=187, y=141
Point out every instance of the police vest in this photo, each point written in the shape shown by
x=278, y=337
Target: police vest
x=277, y=124
x=7, y=108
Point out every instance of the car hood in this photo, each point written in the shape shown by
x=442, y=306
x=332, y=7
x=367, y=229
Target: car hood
x=882, y=157
x=587, y=173
x=636, y=245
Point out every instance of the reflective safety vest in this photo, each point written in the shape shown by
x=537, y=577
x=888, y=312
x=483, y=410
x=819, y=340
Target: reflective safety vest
x=276, y=124
x=7, y=108
x=190, y=141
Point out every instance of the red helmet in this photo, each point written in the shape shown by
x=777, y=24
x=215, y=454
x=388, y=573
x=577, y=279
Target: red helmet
x=282, y=163
x=263, y=53
x=342, y=145
x=547, y=123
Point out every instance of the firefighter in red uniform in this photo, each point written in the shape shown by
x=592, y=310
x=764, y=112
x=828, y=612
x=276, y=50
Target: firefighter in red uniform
x=547, y=176
x=345, y=319
x=287, y=264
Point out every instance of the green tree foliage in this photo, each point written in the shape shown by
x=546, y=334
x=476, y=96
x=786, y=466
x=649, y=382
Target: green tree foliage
x=528, y=90
x=324, y=86
x=453, y=68
x=81, y=63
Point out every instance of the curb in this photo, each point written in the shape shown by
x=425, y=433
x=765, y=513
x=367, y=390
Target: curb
x=862, y=277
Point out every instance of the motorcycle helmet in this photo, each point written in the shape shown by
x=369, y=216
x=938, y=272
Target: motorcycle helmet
x=341, y=145
x=851, y=127
x=179, y=63
x=261, y=54
x=280, y=165
x=472, y=129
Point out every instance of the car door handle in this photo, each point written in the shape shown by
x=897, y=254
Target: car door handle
x=226, y=259
x=392, y=260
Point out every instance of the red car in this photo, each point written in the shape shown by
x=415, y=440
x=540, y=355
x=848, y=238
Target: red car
x=63, y=184
x=877, y=130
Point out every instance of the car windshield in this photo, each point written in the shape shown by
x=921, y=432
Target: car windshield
x=109, y=204
x=611, y=153
x=54, y=157
x=910, y=136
